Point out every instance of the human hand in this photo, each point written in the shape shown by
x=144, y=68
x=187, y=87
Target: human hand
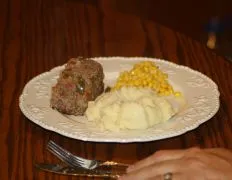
x=189, y=164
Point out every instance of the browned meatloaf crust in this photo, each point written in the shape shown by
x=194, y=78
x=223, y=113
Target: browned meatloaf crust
x=81, y=81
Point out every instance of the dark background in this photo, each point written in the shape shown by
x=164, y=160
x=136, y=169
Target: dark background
x=186, y=16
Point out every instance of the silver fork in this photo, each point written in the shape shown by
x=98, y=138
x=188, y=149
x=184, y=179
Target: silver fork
x=76, y=161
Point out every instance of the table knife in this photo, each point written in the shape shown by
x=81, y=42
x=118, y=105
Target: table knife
x=110, y=172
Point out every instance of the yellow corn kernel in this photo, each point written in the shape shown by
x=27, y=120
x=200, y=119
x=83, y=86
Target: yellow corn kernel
x=165, y=75
x=146, y=69
x=144, y=82
x=150, y=85
x=177, y=94
x=136, y=82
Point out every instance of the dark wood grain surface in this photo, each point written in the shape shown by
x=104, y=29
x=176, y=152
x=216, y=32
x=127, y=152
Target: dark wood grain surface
x=36, y=35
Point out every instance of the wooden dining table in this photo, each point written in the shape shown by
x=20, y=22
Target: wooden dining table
x=37, y=35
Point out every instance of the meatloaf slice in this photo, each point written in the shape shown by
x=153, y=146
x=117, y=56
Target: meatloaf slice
x=81, y=81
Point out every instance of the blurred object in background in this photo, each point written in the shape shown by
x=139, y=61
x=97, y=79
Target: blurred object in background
x=188, y=17
x=213, y=30
x=220, y=35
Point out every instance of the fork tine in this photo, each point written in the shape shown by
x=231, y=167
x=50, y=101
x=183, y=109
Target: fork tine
x=67, y=156
x=80, y=161
x=60, y=155
x=76, y=162
x=56, y=146
x=53, y=145
x=75, y=158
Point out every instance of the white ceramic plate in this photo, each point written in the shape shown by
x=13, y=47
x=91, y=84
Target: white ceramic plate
x=200, y=92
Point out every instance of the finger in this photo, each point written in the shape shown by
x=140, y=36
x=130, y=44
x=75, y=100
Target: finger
x=175, y=176
x=156, y=157
x=221, y=153
x=153, y=170
x=159, y=156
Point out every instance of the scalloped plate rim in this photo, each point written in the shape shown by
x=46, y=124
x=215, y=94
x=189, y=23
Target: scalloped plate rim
x=168, y=135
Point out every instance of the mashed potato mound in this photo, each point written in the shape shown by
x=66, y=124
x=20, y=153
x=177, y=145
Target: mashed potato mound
x=129, y=108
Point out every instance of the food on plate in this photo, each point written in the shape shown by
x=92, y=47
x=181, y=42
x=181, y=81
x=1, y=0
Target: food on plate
x=146, y=74
x=129, y=108
x=81, y=81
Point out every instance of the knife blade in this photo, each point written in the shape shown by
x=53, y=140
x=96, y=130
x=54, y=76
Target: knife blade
x=110, y=172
